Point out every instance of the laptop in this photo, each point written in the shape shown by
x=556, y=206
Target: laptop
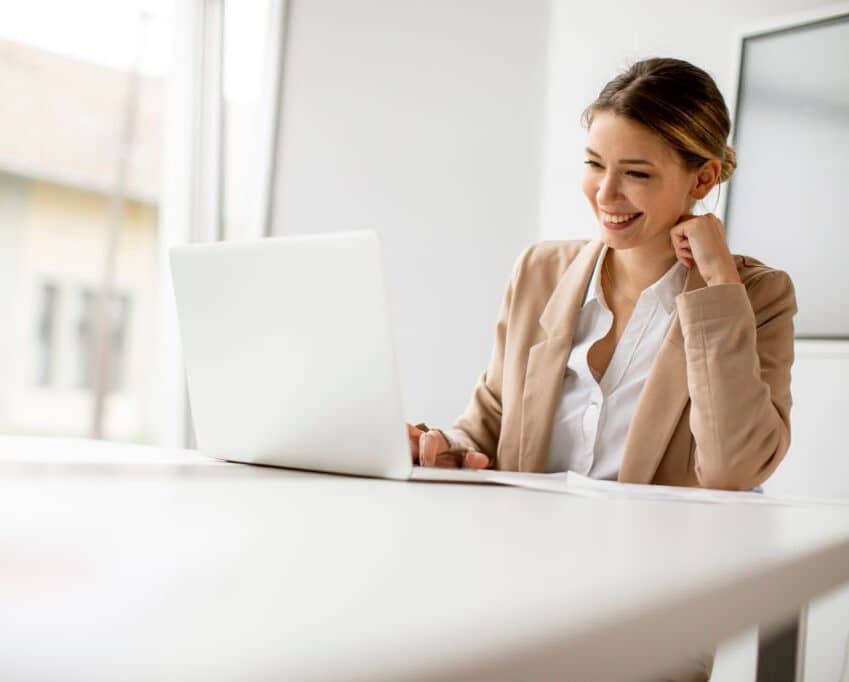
x=289, y=359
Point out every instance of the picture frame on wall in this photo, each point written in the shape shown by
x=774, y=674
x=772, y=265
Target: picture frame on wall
x=786, y=203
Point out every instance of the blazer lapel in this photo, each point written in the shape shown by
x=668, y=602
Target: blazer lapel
x=547, y=359
x=661, y=404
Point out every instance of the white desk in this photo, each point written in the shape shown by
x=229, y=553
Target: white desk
x=135, y=564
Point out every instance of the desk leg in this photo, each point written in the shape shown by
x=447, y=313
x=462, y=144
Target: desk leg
x=781, y=652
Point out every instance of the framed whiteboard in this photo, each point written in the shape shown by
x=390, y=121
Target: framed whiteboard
x=788, y=201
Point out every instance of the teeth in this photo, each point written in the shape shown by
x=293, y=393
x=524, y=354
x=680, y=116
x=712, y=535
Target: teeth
x=607, y=217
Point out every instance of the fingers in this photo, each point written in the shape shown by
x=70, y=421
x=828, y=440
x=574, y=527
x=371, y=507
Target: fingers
x=467, y=460
x=685, y=256
x=475, y=460
x=699, y=241
x=679, y=238
x=413, y=435
x=431, y=444
x=430, y=448
x=448, y=460
x=683, y=248
x=681, y=245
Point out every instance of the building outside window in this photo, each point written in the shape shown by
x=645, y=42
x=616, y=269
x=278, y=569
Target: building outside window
x=81, y=98
x=89, y=205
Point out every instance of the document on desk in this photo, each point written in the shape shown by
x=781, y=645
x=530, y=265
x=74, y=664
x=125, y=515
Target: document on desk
x=574, y=484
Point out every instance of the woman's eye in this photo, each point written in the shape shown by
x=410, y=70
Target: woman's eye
x=633, y=173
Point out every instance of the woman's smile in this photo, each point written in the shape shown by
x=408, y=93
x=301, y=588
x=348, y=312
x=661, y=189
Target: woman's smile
x=614, y=221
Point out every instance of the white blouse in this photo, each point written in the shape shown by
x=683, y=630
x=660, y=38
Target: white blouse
x=592, y=417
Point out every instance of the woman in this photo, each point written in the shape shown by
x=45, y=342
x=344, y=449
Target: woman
x=650, y=355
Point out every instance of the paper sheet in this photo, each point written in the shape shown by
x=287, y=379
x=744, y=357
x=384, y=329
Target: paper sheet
x=575, y=484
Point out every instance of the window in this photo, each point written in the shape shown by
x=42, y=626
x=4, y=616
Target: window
x=89, y=203
x=81, y=139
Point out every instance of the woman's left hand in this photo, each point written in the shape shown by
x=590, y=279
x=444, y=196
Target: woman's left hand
x=700, y=241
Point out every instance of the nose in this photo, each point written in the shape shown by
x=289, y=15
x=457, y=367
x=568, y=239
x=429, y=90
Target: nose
x=608, y=190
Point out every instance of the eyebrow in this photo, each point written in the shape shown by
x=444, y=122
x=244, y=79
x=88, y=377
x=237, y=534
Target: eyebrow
x=633, y=161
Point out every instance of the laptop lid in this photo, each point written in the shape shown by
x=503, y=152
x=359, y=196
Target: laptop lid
x=289, y=355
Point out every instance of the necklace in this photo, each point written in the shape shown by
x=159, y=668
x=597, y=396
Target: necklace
x=613, y=284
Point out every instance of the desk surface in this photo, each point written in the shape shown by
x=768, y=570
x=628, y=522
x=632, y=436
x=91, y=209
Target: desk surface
x=124, y=562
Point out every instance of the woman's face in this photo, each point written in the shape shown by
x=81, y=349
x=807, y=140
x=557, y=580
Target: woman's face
x=635, y=182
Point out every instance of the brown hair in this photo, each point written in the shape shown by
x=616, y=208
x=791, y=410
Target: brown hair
x=678, y=101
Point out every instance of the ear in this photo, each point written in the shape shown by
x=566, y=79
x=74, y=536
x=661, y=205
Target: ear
x=705, y=179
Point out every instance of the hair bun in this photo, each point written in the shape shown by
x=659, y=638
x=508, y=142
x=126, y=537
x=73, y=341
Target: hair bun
x=729, y=163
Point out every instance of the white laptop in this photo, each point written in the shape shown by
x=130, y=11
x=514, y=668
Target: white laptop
x=289, y=357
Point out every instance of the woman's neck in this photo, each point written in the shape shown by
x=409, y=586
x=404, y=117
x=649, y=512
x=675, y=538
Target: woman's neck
x=637, y=268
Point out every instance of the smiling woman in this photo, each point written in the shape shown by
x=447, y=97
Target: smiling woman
x=651, y=354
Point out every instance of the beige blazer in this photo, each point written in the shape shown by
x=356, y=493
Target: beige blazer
x=715, y=408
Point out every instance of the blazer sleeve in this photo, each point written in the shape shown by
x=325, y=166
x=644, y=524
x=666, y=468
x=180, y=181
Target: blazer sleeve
x=479, y=427
x=738, y=343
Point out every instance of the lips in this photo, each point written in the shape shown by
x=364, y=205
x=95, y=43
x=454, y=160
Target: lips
x=618, y=224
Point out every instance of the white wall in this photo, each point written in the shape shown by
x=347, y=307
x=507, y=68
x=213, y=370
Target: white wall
x=422, y=120
x=590, y=43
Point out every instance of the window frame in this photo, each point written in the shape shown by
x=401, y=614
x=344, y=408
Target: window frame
x=192, y=178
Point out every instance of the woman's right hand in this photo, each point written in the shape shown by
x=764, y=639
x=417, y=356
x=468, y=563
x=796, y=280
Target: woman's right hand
x=430, y=448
